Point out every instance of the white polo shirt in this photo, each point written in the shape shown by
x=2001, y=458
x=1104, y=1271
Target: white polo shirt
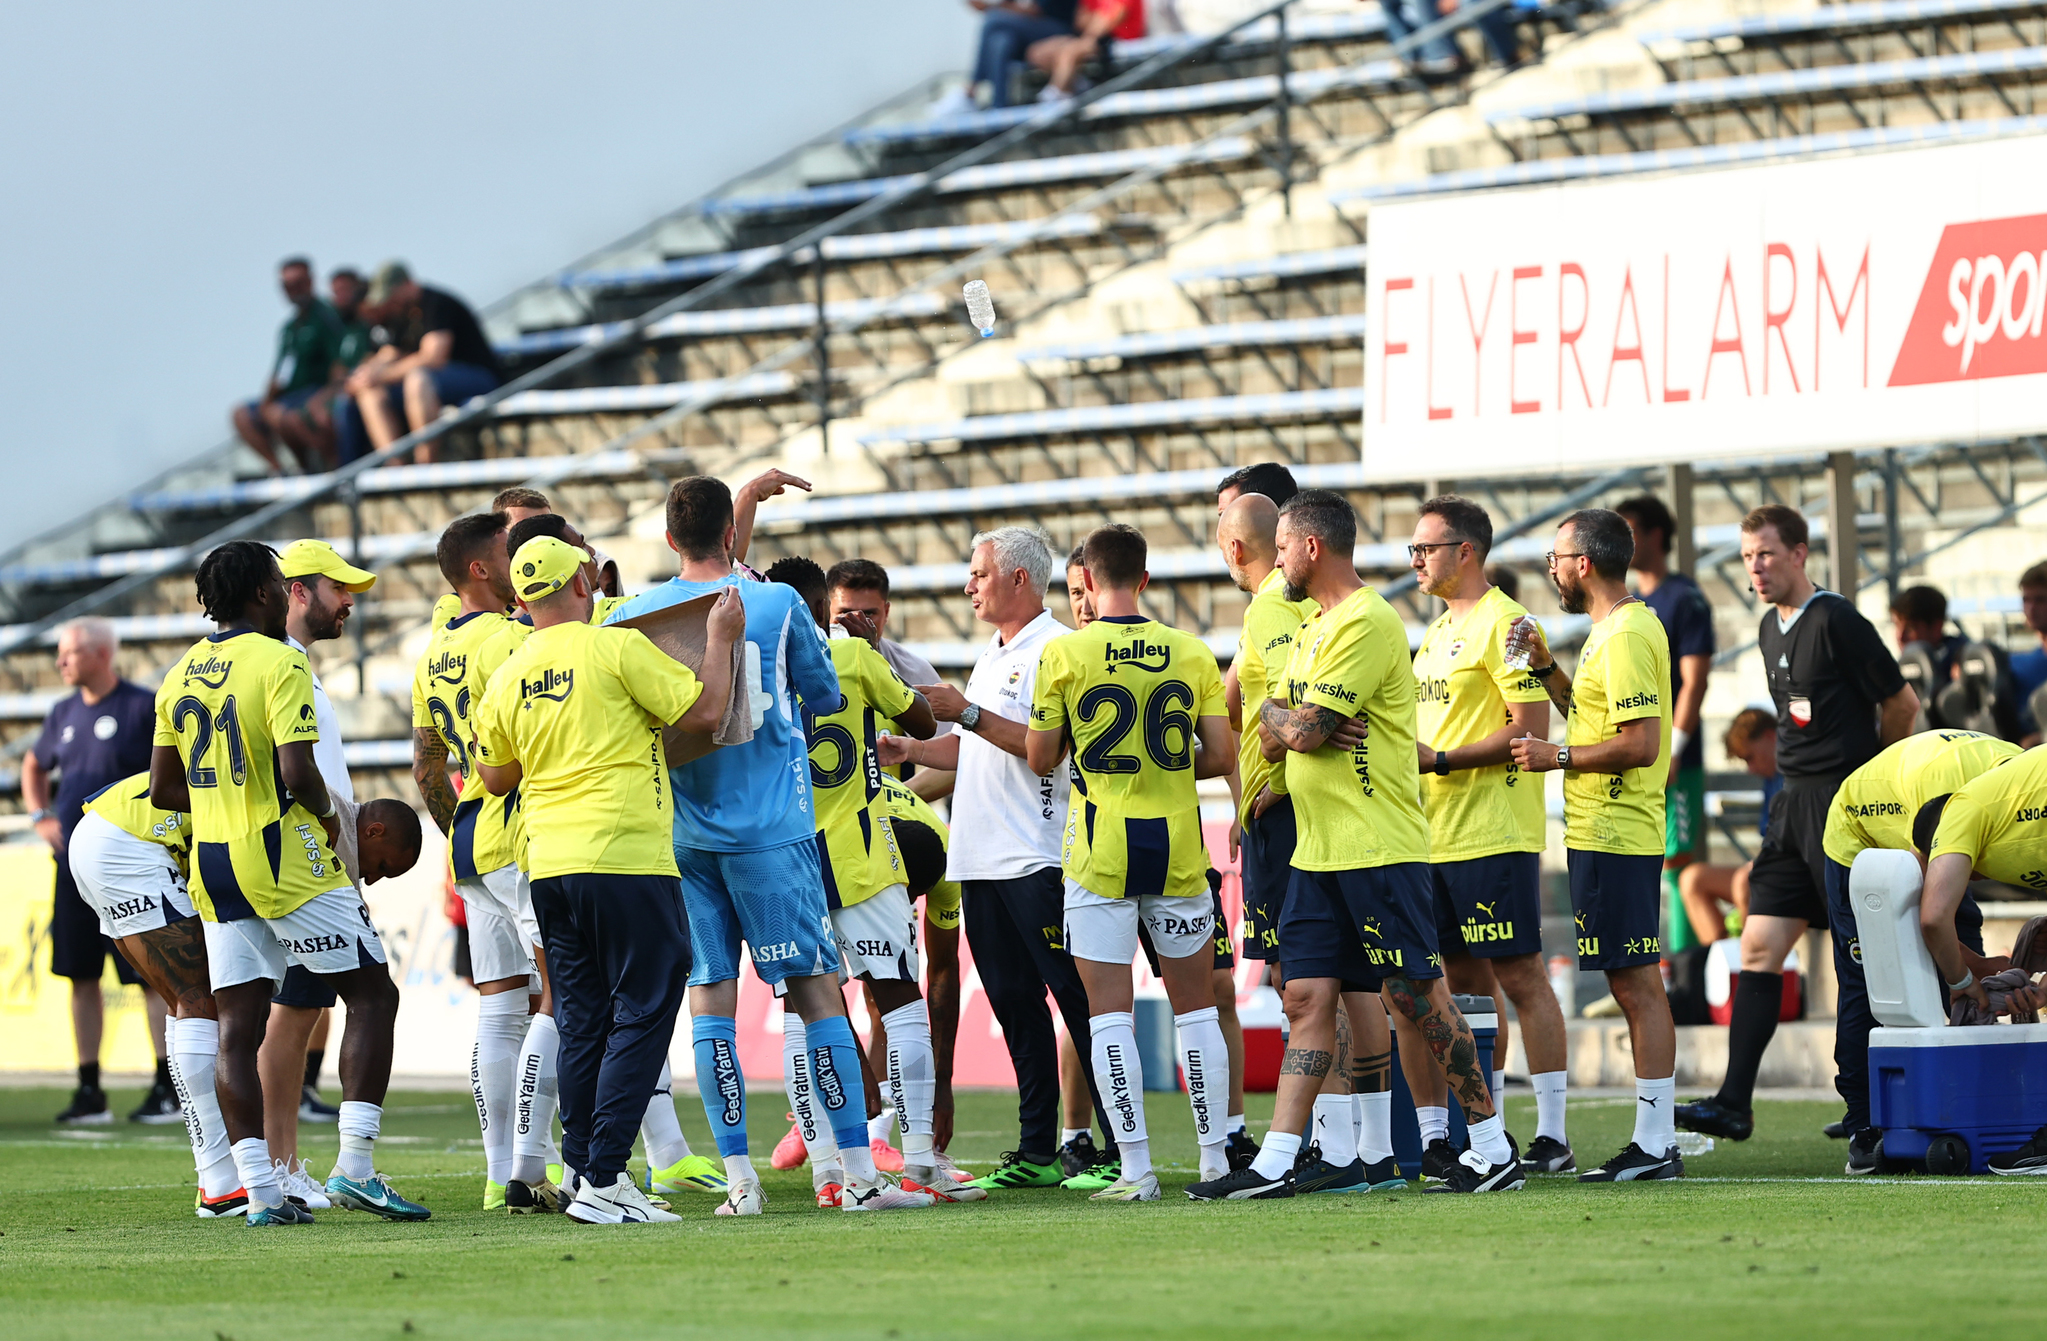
x=1007, y=821
x=327, y=751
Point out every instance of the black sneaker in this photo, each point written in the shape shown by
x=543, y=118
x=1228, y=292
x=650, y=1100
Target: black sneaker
x=1240, y=1148
x=1866, y=1151
x=1437, y=1160
x=1716, y=1119
x=1473, y=1173
x=1384, y=1176
x=313, y=1109
x=1242, y=1185
x=88, y=1108
x=159, y=1106
x=1079, y=1154
x=1837, y=1130
x=2029, y=1159
x=1636, y=1165
x=1546, y=1154
x=1312, y=1173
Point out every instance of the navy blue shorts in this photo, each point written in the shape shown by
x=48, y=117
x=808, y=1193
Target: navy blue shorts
x=1361, y=927
x=305, y=989
x=1617, y=900
x=1489, y=907
x=1268, y=865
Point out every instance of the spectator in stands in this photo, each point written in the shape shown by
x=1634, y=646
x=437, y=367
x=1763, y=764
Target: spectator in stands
x=1688, y=623
x=1716, y=897
x=1919, y=619
x=308, y=350
x=1987, y=699
x=310, y=430
x=1008, y=30
x=1270, y=478
x=1438, y=57
x=346, y=287
x=434, y=353
x=1098, y=24
x=2029, y=668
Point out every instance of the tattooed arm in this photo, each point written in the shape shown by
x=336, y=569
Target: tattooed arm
x=430, y=771
x=1305, y=729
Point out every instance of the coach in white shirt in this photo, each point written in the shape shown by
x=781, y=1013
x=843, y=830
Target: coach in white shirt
x=1006, y=831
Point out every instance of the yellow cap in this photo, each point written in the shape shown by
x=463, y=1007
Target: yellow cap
x=544, y=565
x=306, y=558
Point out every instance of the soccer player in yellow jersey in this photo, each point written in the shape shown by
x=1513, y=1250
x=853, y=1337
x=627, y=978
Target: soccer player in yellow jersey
x=1141, y=707
x=1615, y=762
x=235, y=731
x=1877, y=806
x=573, y=721
x=1342, y=716
x=1486, y=821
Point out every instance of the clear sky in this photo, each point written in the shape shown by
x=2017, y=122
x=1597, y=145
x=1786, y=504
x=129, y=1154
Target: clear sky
x=160, y=159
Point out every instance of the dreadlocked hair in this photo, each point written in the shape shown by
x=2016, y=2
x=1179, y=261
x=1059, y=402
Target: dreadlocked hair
x=230, y=577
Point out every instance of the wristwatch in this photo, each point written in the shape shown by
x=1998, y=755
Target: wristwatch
x=970, y=717
x=1543, y=672
x=38, y=816
x=1442, y=764
x=1563, y=756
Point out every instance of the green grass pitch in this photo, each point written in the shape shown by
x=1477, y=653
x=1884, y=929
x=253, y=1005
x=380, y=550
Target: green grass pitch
x=98, y=1242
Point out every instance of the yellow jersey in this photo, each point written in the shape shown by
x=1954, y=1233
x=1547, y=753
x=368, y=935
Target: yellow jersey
x=1128, y=691
x=1876, y=804
x=942, y=900
x=1362, y=807
x=226, y=707
x=856, y=845
x=447, y=687
x=1999, y=821
x=580, y=709
x=1623, y=676
x=495, y=652
x=126, y=805
x=1270, y=621
x=1462, y=689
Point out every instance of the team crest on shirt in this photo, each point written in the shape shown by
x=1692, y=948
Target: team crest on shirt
x=1456, y=646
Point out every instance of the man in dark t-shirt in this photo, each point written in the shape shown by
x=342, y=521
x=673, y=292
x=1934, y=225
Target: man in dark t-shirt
x=1840, y=698
x=434, y=353
x=1688, y=624
x=91, y=739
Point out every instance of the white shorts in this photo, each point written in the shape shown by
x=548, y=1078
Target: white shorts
x=1105, y=930
x=134, y=886
x=329, y=933
x=878, y=937
x=496, y=904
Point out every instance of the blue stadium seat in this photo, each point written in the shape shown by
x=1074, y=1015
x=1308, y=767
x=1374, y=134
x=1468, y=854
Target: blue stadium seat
x=1286, y=265
x=1830, y=19
x=1332, y=403
x=498, y=471
x=733, y=321
x=1233, y=335
x=121, y=563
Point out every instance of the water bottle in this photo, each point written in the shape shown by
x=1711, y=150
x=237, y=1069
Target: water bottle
x=980, y=307
x=1690, y=1143
x=1519, y=645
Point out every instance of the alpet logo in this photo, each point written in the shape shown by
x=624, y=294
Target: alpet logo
x=1980, y=310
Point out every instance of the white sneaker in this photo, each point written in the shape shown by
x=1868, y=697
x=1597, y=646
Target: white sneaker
x=297, y=1183
x=943, y=1187
x=1052, y=93
x=955, y=101
x=943, y=1163
x=620, y=1204
x=881, y=1195
x=1123, y=1189
x=743, y=1199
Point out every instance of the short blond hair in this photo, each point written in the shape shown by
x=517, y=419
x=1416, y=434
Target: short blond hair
x=93, y=631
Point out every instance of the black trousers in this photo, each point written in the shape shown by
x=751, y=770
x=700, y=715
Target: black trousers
x=1016, y=930
x=618, y=959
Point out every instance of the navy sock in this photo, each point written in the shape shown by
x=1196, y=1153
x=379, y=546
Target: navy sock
x=715, y=1039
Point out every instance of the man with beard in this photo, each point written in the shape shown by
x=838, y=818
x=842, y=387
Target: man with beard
x=1614, y=759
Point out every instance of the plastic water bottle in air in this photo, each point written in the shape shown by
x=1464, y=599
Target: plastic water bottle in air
x=1691, y=1143
x=980, y=307
x=1520, y=642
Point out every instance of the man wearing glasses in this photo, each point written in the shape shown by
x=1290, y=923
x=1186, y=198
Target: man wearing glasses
x=1617, y=744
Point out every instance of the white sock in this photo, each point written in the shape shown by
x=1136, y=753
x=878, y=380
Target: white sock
x=1233, y=1123
x=538, y=1097
x=1655, y=1124
x=1489, y=1138
x=1375, y=1133
x=1072, y=1134
x=258, y=1174
x=1205, y=1060
x=358, y=1124
x=912, y=1083
x=859, y=1165
x=666, y=1144
x=1435, y=1123
x=494, y=1076
x=1499, y=1083
x=1549, y=1104
x=1336, y=1128
x=194, y=1060
x=739, y=1169
x=1119, y=1078
x=1276, y=1156
x=883, y=1124
x=817, y=1136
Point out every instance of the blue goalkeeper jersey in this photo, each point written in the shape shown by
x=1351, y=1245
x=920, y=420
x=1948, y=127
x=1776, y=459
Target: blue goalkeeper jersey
x=747, y=797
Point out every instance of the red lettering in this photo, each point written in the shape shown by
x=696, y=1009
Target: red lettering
x=1720, y=346
x=1622, y=353
x=1840, y=313
x=1568, y=339
x=1774, y=320
x=1429, y=362
x=1388, y=346
x=1671, y=395
x=1478, y=331
x=1519, y=337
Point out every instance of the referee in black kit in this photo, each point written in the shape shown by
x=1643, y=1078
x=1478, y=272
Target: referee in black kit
x=1840, y=698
